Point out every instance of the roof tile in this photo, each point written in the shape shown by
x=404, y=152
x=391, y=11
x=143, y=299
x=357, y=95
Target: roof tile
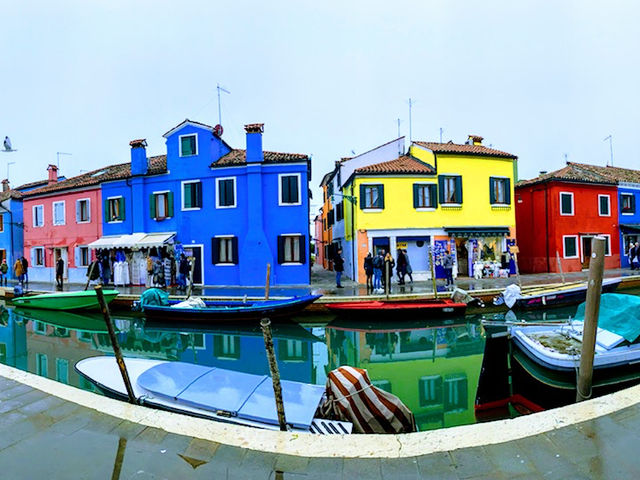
x=573, y=172
x=403, y=164
x=237, y=157
x=465, y=149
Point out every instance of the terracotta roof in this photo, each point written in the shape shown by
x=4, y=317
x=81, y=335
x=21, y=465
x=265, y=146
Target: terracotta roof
x=39, y=183
x=465, y=149
x=328, y=177
x=404, y=164
x=157, y=164
x=16, y=195
x=238, y=157
x=573, y=172
x=617, y=174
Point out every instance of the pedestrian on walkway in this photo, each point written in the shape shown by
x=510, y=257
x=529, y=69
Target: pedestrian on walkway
x=448, y=267
x=59, y=272
x=401, y=270
x=105, y=272
x=4, y=268
x=368, y=270
x=634, y=256
x=18, y=271
x=338, y=266
x=25, y=272
x=183, y=271
x=378, y=263
x=389, y=265
x=408, y=268
x=167, y=270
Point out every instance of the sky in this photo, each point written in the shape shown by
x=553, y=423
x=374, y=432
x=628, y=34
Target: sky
x=542, y=80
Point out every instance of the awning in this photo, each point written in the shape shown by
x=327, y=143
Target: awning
x=477, y=231
x=630, y=227
x=133, y=240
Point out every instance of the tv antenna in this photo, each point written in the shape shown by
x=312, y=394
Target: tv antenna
x=8, y=165
x=221, y=89
x=58, y=157
x=610, y=138
x=411, y=102
x=441, y=130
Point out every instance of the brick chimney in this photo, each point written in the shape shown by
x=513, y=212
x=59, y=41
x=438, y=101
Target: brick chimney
x=53, y=174
x=474, y=140
x=5, y=185
x=254, y=142
x=139, y=164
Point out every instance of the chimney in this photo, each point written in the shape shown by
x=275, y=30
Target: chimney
x=139, y=165
x=474, y=140
x=5, y=185
x=53, y=174
x=254, y=142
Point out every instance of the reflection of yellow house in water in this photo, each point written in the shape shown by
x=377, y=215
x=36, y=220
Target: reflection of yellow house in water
x=438, y=384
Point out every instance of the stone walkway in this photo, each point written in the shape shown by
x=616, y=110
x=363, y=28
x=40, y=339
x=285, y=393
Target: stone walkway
x=44, y=436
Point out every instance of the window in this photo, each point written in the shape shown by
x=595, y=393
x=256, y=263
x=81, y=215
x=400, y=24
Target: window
x=424, y=195
x=114, y=206
x=3, y=352
x=58, y=213
x=331, y=217
x=291, y=249
x=430, y=390
x=499, y=191
x=82, y=257
x=224, y=250
x=371, y=197
x=226, y=197
x=188, y=145
x=161, y=204
x=83, y=213
x=37, y=256
x=339, y=211
x=627, y=203
x=62, y=370
x=292, y=350
x=450, y=189
x=566, y=203
x=191, y=195
x=38, y=215
x=604, y=202
x=382, y=385
x=40, y=327
x=226, y=346
x=41, y=365
x=289, y=189
x=455, y=393
x=607, y=249
x=1, y=223
x=570, y=243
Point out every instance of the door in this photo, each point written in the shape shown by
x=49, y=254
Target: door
x=61, y=252
x=586, y=251
x=195, y=251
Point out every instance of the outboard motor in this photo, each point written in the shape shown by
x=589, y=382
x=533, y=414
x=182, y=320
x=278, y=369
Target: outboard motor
x=18, y=291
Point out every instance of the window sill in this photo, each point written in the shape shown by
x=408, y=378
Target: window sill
x=372, y=210
x=225, y=264
x=59, y=224
x=160, y=219
x=452, y=206
x=116, y=221
x=628, y=213
x=191, y=209
x=572, y=258
x=425, y=209
x=292, y=264
x=284, y=204
x=566, y=214
x=226, y=206
x=83, y=221
x=501, y=206
x=189, y=155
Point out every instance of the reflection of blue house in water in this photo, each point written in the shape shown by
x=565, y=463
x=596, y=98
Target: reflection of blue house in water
x=13, y=341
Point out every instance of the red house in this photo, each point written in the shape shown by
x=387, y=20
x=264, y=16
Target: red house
x=557, y=215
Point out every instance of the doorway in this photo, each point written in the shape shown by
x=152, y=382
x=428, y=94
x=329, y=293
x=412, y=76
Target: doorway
x=61, y=252
x=586, y=251
x=195, y=251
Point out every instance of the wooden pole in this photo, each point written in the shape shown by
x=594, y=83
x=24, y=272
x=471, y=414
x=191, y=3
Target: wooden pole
x=93, y=264
x=387, y=287
x=267, y=283
x=117, y=465
x=193, y=266
x=114, y=344
x=590, y=327
x=515, y=261
x=433, y=272
x=265, y=324
x=560, y=266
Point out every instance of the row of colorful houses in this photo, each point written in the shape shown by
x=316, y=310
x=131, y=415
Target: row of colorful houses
x=466, y=198
x=233, y=210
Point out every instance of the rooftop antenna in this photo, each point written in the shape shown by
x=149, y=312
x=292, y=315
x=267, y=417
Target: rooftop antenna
x=8, y=165
x=610, y=138
x=410, y=130
x=58, y=157
x=221, y=89
x=566, y=158
x=441, y=134
x=398, y=128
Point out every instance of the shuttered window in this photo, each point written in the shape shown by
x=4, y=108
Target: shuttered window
x=371, y=197
x=38, y=215
x=188, y=145
x=424, y=196
x=83, y=212
x=450, y=188
x=290, y=189
x=291, y=249
x=192, y=195
x=500, y=191
x=161, y=205
x=224, y=250
x=58, y=213
x=115, y=209
x=226, y=197
x=627, y=203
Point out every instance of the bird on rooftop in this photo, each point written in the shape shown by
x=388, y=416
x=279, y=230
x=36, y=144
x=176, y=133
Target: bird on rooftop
x=7, y=144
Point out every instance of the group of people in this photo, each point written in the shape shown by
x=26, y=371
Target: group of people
x=164, y=271
x=378, y=267
x=634, y=256
x=20, y=270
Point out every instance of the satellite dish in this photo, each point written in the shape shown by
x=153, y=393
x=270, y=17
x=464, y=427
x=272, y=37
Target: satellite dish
x=218, y=130
x=7, y=145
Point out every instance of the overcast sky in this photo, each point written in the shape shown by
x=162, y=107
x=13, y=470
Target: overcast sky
x=537, y=79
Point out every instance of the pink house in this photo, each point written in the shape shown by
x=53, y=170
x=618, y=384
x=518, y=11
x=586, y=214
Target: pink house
x=60, y=220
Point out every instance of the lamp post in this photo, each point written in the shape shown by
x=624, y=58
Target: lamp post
x=353, y=201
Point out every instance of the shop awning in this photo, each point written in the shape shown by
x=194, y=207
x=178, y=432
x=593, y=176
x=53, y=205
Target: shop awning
x=471, y=232
x=133, y=240
x=631, y=227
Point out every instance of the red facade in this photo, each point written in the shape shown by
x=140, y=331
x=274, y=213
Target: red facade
x=559, y=218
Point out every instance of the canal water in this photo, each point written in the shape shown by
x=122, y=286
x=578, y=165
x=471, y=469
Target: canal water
x=440, y=371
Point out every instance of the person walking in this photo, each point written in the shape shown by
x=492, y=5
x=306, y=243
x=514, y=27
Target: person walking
x=4, y=269
x=25, y=272
x=389, y=265
x=448, y=267
x=378, y=263
x=105, y=263
x=18, y=271
x=408, y=268
x=59, y=272
x=634, y=256
x=338, y=266
x=368, y=270
x=401, y=270
x=183, y=271
x=167, y=270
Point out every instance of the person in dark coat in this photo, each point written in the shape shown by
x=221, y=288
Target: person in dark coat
x=408, y=268
x=59, y=272
x=378, y=263
x=447, y=263
x=401, y=268
x=368, y=270
x=25, y=271
x=389, y=265
x=338, y=266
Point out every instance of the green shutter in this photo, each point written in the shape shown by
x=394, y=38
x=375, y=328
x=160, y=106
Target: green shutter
x=234, y=247
x=280, y=249
x=215, y=250
x=105, y=213
x=303, y=250
x=492, y=191
x=286, y=194
x=416, y=194
x=187, y=195
x=293, y=188
x=169, y=204
x=380, y=196
x=362, y=199
x=121, y=215
x=441, y=189
x=152, y=205
x=433, y=195
x=198, y=194
x=507, y=187
x=458, y=189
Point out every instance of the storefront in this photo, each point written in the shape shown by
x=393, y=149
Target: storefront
x=482, y=251
x=630, y=234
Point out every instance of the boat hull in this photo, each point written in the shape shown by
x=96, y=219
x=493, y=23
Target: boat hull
x=429, y=308
x=556, y=297
x=64, y=300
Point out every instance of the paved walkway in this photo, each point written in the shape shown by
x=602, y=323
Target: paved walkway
x=45, y=436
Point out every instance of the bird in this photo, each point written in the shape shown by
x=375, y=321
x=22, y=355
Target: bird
x=7, y=144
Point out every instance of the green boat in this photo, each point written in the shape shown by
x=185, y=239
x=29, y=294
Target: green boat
x=87, y=322
x=64, y=300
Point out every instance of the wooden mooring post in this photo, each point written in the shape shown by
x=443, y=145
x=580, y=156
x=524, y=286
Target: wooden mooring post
x=590, y=327
x=560, y=266
x=265, y=325
x=193, y=266
x=432, y=267
x=267, y=283
x=89, y=273
x=114, y=343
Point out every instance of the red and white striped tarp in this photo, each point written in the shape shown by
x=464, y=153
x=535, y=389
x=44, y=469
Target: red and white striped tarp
x=352, y=398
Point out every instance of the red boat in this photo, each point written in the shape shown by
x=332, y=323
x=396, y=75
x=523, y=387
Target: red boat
x=433, y=308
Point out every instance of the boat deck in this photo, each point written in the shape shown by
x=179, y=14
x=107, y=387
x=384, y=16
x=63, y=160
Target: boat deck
x=70, y=440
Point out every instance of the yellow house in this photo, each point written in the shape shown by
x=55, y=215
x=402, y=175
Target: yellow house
x=439, y=195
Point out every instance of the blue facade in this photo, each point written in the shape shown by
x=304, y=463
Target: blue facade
x=12, y=233
x=235, y=236
x=629, y=219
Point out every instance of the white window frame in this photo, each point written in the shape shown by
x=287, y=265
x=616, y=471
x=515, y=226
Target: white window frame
x=626, y=194
x=35, y=256
x=64, y=213
x=301, y=238
x=608, y=197
x=606, y=254
x=280, y=202
x=109, y=201
x=180, y=137
x=226, y=264
x=155, y=199
x=235, y=192
x=564, y=253
x=182, y=184
x=608, y=237
x=33, y=215
x=88, y=200
x=573, y=207
x=80, y=247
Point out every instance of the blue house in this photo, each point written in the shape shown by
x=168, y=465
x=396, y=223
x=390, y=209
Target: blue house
x=629, y=218
x=234, y=211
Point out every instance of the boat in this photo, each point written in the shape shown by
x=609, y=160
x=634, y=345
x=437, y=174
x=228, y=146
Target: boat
x=550, y=295
x=82, y=322
x=64, y=300
x=429, y=308
x=199, y=311
x=550, y=354
x=213, y=393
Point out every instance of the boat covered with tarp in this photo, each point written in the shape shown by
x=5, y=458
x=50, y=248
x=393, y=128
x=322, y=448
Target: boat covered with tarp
x=427, y=307
x=64, y=300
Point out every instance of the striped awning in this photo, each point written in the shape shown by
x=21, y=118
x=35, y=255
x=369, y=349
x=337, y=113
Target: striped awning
x=470, y=232
x=133, y=240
